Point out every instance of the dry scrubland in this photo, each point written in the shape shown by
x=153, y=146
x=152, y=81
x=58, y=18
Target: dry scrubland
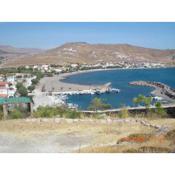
x=86, y=135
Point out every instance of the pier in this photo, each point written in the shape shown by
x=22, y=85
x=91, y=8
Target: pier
x=106, y=88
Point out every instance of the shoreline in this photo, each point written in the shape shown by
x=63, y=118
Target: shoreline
x=107, y=69
x=57, y=83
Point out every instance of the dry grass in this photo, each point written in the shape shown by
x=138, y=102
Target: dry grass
x=104, y=135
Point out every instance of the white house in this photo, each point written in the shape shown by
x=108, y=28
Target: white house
x=11, y=79
x=6, y=91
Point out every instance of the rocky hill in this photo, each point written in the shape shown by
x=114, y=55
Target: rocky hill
x=9, y=52
x=81, y=52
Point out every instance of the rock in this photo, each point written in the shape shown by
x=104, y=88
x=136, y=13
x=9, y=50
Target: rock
x=45, y=120
x=108, y=120
x=57, y=120
x=75, y=120
x=69, y=121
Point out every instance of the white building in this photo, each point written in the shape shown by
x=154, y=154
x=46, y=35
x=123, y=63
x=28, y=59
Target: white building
x=11, y=79
x=6, y=91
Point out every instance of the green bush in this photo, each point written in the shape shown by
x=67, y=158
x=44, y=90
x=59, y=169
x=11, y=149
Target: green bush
x=49, y=112
x=31, y=88
x=72, y=114
x=124, y=113
x=46, y=112
x=159, y=110
x=35, y=81
x=16, y=114
x=1, y=115
x=98, y=104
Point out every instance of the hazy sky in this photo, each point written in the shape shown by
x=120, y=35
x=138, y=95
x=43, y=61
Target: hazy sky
x=49, y=35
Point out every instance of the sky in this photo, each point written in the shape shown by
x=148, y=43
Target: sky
x=53, y=34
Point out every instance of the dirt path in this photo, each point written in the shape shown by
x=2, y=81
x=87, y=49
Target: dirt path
x=63, y=143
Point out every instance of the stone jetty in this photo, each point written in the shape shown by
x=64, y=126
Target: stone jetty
x=164, y=89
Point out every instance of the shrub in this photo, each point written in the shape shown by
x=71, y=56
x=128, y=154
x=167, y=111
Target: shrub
x=1, y=112
x=141, y=99
x=15, y=114
x=31, y=88
x=149, y=149
x=1, y=115
x=72, y=114
x=98, y=104
x=170, y=135
x=124, y=113
x=46, y=112
x=35, y=81
x=159, y=110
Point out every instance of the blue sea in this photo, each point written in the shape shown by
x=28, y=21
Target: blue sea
x=119, y=79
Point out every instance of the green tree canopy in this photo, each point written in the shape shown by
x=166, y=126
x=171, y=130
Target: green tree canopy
x=98, y=104
x=21, y=89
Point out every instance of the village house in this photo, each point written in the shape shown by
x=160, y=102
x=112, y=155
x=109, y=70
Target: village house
x=6, y=90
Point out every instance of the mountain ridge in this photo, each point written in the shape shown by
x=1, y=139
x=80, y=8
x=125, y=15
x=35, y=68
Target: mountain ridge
x=86, y=53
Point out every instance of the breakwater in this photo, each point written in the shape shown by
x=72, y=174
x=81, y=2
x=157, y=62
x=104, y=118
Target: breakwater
x=164, y=89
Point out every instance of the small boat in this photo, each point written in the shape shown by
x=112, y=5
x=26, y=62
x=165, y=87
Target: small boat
x=72, y=106
x=115, y=90
x=156, y=98
x=97, y=92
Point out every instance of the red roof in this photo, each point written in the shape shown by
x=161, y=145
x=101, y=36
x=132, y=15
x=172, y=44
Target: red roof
x=3, y=95
x=2, y=83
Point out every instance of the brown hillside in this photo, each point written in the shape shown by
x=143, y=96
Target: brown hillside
x=81, y=52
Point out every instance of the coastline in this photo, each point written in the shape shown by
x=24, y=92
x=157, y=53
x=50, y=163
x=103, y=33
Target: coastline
x=106, y=69
x=57, y=83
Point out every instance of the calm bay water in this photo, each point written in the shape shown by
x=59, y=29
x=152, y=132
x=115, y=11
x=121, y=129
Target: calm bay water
x=119, y=79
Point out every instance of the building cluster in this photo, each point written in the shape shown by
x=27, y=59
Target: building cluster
x=56, y=69
x=8, y=83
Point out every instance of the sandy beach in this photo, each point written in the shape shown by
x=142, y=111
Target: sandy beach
x=56, y=84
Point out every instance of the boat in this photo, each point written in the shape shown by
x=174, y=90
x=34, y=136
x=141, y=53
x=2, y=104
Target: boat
x=72, y=106
x=115, y=90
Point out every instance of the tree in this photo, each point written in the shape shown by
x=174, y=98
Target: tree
x=21, y=89
x=141, y=99
x=147, y=101
x=35, y=81
x=98, y=104
x=159, y=109
x=31, y=88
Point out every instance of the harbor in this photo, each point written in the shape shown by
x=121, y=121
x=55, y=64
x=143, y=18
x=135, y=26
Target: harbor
x=79, y=88
x=53, y=91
